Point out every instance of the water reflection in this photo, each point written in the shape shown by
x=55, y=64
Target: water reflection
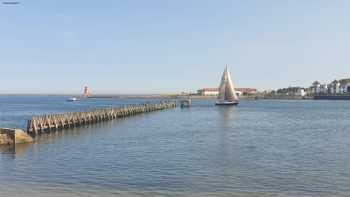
x=14, y=151
x=226, y=114
x=51, y=137
x=7, y=149
x=228, y=152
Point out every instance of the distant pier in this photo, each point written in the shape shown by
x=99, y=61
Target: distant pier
x=47, y=123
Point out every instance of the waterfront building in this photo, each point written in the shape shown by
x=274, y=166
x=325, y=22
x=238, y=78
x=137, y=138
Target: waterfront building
x=318, y=88
x=341, y=86
x=239, y=93
x=309, y=91
x=301, y=92
x=344, y=84
x=315, y=88
x=247, y=90
x=347, y=87
x=334, y=87
x=208, y=91
x=323, y=89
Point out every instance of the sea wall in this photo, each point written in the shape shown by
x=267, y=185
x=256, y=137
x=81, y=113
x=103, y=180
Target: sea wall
x=332, y=97
x=283, y=97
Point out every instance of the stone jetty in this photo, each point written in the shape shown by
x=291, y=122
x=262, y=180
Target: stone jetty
x=47, y=123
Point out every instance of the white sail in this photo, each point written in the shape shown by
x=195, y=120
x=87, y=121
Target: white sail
x=227, y=90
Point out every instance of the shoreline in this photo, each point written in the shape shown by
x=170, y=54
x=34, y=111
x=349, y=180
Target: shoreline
x=179, y=96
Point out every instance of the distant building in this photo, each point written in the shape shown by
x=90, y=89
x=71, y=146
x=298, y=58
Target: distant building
x=334, y=87
x=247, y=90
x=341, y=86
x=315, y=88
x=292, y=91
x=208, y=91
x=215, y=91
x=239, y=93
x=301, y=92
x=323, y=89
x=347, y=87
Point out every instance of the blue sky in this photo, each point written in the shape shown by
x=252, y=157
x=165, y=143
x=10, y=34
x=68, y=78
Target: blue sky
x=135, y=46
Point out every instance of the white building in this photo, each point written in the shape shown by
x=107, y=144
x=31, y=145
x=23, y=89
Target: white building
x=239, y=93
x=208, y=91
x=315, y=88
x=301, y=92
x=335, y=87
x=323, y=89
x=347, y=88
x=215, y=91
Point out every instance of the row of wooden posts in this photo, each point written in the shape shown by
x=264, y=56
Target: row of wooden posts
x=45, y=123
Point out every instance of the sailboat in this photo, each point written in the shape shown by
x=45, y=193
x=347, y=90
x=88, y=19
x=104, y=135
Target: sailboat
x=227, y=94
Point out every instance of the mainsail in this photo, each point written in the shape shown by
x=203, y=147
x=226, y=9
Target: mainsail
x=227, y=90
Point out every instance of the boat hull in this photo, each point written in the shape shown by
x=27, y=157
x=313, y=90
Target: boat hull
x=72, y=99
x=230, y=103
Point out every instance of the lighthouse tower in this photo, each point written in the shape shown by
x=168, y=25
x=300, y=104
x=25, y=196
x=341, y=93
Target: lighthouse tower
x=86, y=92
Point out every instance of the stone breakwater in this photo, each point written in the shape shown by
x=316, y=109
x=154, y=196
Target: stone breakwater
x=47, y=123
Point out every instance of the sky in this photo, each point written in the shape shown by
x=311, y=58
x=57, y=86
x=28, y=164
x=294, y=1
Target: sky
x=167, y=46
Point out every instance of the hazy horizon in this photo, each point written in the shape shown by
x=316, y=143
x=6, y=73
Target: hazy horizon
x=152, y=47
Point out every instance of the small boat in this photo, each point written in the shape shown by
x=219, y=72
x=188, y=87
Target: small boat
x=227, y=94
x=72, y=99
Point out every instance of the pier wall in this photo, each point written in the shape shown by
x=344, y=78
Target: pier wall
x=332, y=97
x=46, y=123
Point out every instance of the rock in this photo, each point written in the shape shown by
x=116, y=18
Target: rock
x=14, y=136
x=22, y=137
x=5, y=139
x=7, y=136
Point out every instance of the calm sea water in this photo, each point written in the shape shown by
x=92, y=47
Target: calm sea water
x=260, y=148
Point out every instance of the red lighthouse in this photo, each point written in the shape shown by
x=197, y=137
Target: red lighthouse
x=86, y=91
